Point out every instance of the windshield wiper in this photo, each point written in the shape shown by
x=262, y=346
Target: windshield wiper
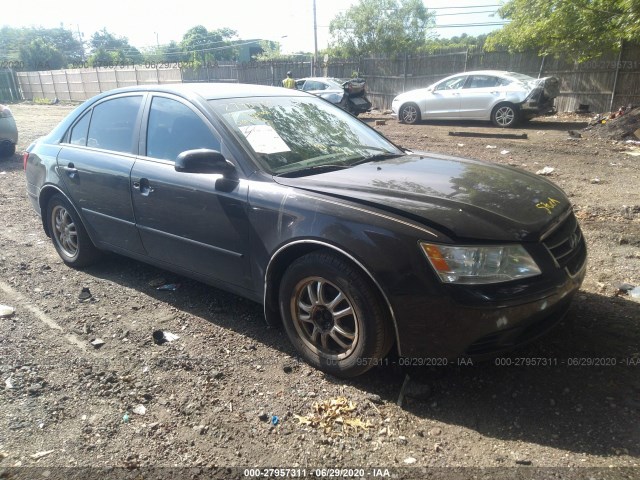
x=312, y=170
x=376, y=158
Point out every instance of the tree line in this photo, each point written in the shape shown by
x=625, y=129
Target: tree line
x=56, y=48
x=577, y=29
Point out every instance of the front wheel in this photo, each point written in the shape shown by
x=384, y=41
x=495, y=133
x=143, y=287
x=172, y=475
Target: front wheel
x=505, y=115
x=409, y=113
x=333, y=315
x=68, y=234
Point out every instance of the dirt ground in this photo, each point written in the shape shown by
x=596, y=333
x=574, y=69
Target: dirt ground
x=230, y=392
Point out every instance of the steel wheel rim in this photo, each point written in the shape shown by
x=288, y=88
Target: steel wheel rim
x=324, y=318
x=409, y=114
x=505, y=116
x=64, y=231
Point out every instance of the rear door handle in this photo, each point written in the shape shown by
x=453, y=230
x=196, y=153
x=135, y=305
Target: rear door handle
x=70, y=170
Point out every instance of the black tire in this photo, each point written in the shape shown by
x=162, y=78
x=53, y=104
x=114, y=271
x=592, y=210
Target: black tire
x=409, y=113
x=68, y=234
x=346, y=330
x=7, y=150
x=505, y=115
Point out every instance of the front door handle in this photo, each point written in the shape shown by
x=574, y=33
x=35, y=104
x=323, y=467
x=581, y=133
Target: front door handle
x=144, y=187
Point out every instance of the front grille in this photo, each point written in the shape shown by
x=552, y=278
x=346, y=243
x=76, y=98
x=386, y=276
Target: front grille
x=567, y=246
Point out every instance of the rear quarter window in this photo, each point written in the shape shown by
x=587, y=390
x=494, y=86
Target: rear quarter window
x=80, y=130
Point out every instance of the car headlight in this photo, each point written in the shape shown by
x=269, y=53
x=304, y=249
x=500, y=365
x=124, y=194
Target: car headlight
x=480, y=264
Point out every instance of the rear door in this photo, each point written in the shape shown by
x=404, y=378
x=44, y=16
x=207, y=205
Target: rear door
x=95, y=162
x=479, y=95
x=195, y=221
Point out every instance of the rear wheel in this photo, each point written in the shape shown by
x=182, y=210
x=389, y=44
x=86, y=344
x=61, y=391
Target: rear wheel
x=333, y=315
x=68, y=234
x=505, y=115
x=409, y=113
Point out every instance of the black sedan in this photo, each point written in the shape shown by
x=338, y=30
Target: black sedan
x=351, y=242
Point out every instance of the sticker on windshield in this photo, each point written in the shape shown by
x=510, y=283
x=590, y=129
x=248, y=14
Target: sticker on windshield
x=264, y=139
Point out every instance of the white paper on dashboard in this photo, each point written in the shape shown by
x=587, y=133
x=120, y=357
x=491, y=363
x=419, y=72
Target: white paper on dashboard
x=264, y=139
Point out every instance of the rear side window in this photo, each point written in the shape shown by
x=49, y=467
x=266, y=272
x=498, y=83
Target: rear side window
x=174, y=128
x=483, y=81
x=113, y=124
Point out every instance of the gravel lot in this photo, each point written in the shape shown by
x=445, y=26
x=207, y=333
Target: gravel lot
x=230, y=392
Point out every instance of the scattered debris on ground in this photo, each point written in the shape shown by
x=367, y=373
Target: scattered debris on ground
x=621, y=125
x=336, y=416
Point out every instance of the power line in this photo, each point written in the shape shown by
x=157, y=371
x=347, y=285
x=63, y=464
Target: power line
x=487, y=24
x=463, y=13
x=468, y=6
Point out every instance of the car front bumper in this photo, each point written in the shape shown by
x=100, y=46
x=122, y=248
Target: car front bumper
x=469, y=325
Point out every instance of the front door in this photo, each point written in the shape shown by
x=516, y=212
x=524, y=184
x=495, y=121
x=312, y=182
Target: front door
x=195, y=221
x=444, y=100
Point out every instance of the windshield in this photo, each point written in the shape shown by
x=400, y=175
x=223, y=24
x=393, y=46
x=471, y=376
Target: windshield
x=289, y=134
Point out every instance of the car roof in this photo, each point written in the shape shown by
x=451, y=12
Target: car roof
x=212, y=91
x=196, y=92
x=322, y=79
x=502, y=73
x=486, y=72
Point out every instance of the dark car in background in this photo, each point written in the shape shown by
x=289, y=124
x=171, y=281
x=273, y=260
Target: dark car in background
x=350, y=95
x=504, y=98
x=354, y=244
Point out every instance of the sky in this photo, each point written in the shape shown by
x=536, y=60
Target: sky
x=147, y=23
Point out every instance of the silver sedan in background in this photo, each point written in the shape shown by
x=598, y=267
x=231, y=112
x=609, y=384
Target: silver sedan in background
x=504, y=98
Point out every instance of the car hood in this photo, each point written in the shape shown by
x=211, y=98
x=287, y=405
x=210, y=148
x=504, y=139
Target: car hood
x=465, y=199
x=413, y=94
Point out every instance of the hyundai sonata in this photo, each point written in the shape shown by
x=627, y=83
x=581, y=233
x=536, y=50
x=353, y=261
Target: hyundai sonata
x=354, y=244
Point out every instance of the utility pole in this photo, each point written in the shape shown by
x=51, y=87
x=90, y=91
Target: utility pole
x=315, y=40
x=81, y=41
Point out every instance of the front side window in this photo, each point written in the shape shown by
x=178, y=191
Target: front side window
x=113, y=124
x=174, y=128
x=452, y=84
